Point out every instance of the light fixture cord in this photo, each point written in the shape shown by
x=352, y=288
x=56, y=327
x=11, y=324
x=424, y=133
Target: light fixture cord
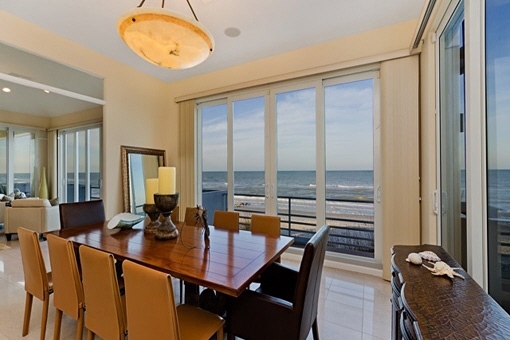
x=163, y=6
x=192, y=11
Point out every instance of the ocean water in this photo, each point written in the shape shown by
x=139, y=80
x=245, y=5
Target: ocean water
x=24, y=182
x=349, y=185
x=342, y=187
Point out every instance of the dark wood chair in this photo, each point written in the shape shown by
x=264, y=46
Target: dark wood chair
x=78, y=214
x=285, y=305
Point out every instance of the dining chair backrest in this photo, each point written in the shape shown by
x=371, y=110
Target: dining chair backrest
x=37, y=279
x=77, y=214
x=105, y=313
x=286, y=303
x=67, y=287
x=190, y=217
x=151, y=310
x=226, y=220
x=306, y=294
x=265, y=224
x=150, y=304
x=175, y=215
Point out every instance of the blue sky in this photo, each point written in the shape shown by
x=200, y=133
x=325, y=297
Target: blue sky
x=349, y=131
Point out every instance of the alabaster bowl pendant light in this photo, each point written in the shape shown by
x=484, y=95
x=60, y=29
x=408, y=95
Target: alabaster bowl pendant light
x=166, y=38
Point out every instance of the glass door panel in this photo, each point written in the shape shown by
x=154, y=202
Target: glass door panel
x=81, y=164
x=453, y=138
x=349, y=141
x=248, y=157
x=296, y=162
x=95, y=163
x=69, y=167
x=3, y=162
x=498, y=156
x=24, y=162
x=214, y=165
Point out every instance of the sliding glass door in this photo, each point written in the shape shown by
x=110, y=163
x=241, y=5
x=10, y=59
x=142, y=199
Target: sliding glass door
x=248, y=143
x=304, y=151
x=19, y=170
x=453, y=138
x=498, y=155
x=296, y=161
x=80, y=164
x=212, y=163
x=350, y=151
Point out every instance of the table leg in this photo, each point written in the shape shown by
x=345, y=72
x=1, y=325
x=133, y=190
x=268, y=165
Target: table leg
x=191, y=293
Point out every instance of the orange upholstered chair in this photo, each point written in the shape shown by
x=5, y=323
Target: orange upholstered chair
x=151, y=311
x=67, y=286
x=106, y=315
x=37, y=280
x=226, y=220
x=265, y=224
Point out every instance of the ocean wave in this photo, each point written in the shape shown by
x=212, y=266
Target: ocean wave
x=347, y=186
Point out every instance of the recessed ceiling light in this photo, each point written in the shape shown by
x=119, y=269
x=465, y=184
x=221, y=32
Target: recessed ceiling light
x=6, y=89
x=232, y=32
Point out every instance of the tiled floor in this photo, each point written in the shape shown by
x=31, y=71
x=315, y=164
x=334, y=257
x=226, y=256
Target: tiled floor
x=352, y=306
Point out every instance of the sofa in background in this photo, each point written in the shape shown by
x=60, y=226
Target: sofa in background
x=36, y=214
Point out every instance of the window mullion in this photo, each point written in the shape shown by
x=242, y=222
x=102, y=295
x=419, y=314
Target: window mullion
x=320, y=162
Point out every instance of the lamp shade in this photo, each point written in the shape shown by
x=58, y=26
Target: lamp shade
x=165, y=38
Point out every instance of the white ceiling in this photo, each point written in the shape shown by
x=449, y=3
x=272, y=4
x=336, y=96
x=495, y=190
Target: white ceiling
x=268, y=27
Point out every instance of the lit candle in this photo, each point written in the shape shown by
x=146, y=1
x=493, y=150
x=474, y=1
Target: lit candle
x=151, y=187
x=166, y=180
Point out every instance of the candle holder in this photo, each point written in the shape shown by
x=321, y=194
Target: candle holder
x=152, y=211
x=165, y=204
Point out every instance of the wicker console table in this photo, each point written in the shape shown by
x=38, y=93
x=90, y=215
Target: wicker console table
x=426, y=306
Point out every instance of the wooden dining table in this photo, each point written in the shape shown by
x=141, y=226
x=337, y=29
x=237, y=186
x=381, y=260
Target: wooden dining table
x=230, y=263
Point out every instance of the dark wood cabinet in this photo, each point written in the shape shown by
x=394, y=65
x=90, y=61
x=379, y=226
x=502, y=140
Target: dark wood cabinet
x=426, y=306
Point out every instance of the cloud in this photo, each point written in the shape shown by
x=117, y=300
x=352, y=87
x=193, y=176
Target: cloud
x=349, y=130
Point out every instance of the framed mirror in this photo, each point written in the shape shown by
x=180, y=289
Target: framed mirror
x=138, y=164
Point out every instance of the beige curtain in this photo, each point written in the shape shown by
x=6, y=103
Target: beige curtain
x=186, y=173
x=400, y=155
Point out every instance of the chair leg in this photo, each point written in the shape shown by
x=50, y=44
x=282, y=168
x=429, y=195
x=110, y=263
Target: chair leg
x=91, y=335
x=44, y=319
x=79, y=328
x=28, y=310
x=58, y=324
x=181, y=290
x=315, y=330
x=219, y=334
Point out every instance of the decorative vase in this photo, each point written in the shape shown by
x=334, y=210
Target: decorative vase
x=152, y=211
x=43, y=184
x=165, y=204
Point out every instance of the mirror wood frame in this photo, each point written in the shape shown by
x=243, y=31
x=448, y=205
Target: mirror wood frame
x=125, y=152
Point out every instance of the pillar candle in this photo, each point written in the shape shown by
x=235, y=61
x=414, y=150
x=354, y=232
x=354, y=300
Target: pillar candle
x=166, y=180
x=151, y=187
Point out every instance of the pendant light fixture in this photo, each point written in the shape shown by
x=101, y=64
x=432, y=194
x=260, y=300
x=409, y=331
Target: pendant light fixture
x=166, y=38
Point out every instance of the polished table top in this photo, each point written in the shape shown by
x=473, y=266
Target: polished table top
x=234, y=260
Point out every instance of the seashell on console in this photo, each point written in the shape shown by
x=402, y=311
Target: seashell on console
x=414, y=258
x=429, y=256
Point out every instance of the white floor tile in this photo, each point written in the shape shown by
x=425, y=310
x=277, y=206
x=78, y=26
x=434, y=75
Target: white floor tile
x=351, y=305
